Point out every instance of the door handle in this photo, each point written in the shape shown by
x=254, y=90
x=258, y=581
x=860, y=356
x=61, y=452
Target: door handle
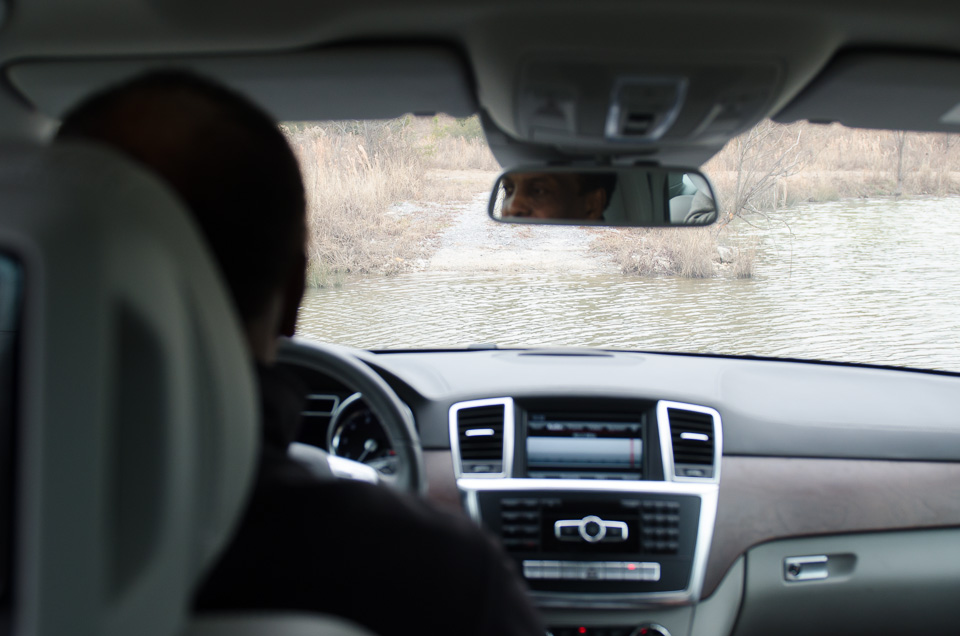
x=805, y=568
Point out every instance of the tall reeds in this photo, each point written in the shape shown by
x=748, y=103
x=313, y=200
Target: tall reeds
x=355, y=175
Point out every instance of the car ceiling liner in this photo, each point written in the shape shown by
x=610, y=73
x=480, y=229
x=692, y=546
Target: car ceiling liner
x=884, y=90
x=348, y=82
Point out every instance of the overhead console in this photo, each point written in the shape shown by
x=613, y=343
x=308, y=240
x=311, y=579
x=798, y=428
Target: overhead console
x=602, y=503
x=578, y=102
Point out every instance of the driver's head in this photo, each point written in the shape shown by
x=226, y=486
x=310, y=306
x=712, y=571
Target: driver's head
x=557, y=195
x=232, y=167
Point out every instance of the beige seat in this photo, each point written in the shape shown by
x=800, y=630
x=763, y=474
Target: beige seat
x=137, y=412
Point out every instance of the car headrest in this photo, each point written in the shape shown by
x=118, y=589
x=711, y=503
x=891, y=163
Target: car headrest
x=138, y=415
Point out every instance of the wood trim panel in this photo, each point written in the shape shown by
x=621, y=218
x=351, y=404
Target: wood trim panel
x=441, y=480
x=767, y=498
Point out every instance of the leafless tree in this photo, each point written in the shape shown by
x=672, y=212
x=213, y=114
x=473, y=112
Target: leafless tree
x=765, y=155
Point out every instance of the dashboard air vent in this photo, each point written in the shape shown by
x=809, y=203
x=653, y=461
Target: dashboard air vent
x=480, y=437
x=693, y=436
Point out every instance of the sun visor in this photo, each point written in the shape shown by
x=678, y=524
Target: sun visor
x=883, y=90
x=334, y=83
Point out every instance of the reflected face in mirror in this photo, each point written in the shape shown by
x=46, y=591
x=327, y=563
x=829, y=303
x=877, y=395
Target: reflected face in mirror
x=611, y=196
x=556, y=195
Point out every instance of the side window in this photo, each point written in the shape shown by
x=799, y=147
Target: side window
x=11, y=293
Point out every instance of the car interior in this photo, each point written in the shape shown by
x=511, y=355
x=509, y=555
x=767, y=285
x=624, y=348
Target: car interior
x=637, y=493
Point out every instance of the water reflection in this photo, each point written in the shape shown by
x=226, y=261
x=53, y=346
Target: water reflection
x=875, y=282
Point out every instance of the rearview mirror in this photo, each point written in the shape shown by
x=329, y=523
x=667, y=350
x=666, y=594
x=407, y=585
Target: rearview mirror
x=632, y=196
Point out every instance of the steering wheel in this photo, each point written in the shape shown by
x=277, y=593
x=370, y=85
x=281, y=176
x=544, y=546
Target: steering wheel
x=342, y=363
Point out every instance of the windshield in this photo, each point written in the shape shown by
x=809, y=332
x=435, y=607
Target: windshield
x=834, y=244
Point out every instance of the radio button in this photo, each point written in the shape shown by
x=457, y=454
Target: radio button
x=614, y=571
x=551, y=570
x=516, y=516
x=520, y=544
x=616, y=531
x=529, y=532
x=632, y=571
x=570, y=532
x=571, y=570
x=651, y=572
x=567, y=530
x=592, y=529
x=592, y=571
x=533, y=569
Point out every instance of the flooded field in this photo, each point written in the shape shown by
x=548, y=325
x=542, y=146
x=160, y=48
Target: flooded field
x=874, y=282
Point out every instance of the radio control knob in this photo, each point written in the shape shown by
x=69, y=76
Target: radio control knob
x=651, y=629
x=592, y=529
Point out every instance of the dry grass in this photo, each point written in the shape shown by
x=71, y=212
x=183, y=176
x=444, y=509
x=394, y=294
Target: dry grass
x=355, y=174
x=446, y=143
x=743, y=262
x=776, y=166
x=827, y=163
x=686, y=252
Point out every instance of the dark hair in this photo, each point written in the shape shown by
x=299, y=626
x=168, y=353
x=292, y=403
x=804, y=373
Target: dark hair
x=225, y=158
x=590, y=181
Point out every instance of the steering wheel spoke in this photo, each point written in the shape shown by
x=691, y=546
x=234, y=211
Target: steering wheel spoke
x=342, y=364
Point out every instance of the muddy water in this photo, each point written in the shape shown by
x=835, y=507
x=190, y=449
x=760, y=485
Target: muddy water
x=875, y=282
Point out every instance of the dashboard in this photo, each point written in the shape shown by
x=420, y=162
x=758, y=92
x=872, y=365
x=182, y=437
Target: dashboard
x=611, y=506
x=686, y=494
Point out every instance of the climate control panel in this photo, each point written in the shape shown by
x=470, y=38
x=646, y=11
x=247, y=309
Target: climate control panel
x=596, y=542
x=591, y=570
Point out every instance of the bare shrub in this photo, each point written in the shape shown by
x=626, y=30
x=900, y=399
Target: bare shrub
x=684, y=252
x=760, y=159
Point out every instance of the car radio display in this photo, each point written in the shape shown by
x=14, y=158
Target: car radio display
x=584, y=449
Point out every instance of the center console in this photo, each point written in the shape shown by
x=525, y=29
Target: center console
x=602, y=503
